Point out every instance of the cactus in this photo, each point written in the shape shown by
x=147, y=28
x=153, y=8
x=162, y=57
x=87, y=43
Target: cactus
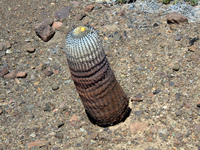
x=166, y=1
x=194, y=2
x=175, y=2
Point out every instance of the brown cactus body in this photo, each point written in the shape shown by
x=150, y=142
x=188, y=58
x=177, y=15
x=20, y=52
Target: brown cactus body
x=102, y=96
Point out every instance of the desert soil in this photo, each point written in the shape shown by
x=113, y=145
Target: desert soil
x=152, y=60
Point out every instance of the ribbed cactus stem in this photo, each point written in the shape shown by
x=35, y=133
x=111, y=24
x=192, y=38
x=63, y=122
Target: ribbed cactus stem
x=103, y=98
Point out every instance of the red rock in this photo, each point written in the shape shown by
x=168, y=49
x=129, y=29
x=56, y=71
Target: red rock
x=80, y=16
x=75, y=3
x=37, y=143
x=56, y=25
x=11, y=75
x=74, y=118
x=198, y=104
x=44, y=29
x=176, y=18
x=47, y=72
x=89, y=8
x=151, y=95
x=136, y=99
x=138, y=126
x=3, y=72
x=21, y=74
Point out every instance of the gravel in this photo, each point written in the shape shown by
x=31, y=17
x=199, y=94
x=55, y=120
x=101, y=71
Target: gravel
x=42, y=110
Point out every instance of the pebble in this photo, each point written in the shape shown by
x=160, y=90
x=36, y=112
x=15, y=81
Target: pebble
x=176, y=18
x=49, y=107
x=173, y=26
x=4, y=72
x=195, y=57
x=176, y=67
x=41, y=67
x=36, y=144
x=55, y=87
x=29, y=107
x=192, y=48
x=11, y=75
x=163, y=131
x=89, y=8
x=74, y=118
x=198, y=104
x=75, y=3
x=29, y=48
x=47, y=72
x=178, y=38
x=171, y=83
x=138, y=113
x=179, y=113
x=44, y=29
x=80, y=16
x=5, y=45
x=59, y=135
x=56, y=25
x=21, y=74
x=138, y=127
x=63, y=13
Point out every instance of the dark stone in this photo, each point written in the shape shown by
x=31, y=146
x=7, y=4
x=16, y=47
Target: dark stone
x=62, y=13
x=138, y=113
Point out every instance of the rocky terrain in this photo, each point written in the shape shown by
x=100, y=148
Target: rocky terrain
x=155, y=59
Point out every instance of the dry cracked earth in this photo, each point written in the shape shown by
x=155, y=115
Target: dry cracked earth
x=156, y=63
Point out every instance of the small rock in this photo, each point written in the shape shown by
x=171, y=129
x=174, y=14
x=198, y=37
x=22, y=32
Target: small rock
x=176, y=67
x=195, y=57
x=29, y=107
x=198, y=104
x=44, y=29
x=80, y=16
x=163, y=131
x=47, y=72
x=21, y=74
x=5, y=45
x=55, y=87
x=37, y=143
x=138, y=126
x=178, y=38
x=154, y=129
x=178, y=135
x=138, y=113
x=155, y=24
x=171, y=83
x=173, y=26
x=3, y=72
x=41, y=67
x=75, y=3
x=63, y=13
x=192, y=48
x=116, y=37
x=49, y=107
x=176, y=18
x=56, y=25
x=59, y=135
x=29, y=48
x=179, y=113
x=60, y=124
x=89, y=8
x=197, y=128
x=11, y=75
x=74, y=118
